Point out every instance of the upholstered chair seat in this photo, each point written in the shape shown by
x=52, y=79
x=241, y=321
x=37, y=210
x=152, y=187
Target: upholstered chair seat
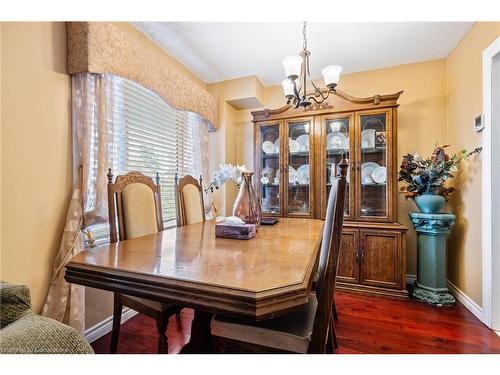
x=290, y=332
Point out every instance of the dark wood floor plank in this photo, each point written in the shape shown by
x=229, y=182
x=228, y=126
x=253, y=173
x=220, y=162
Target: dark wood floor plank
x=366, y=325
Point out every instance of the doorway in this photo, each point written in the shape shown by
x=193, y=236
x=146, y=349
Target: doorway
x=491, y=186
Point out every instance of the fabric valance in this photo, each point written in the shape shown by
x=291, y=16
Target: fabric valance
x=102, y=47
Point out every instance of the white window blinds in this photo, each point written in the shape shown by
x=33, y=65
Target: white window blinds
x=151, y=137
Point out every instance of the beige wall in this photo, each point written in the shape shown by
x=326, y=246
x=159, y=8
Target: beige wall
x=35, y=152
x=465, y=101
x=225, y=144
x=422, y=116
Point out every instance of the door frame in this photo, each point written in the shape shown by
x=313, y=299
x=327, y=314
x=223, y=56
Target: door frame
x=488, y=197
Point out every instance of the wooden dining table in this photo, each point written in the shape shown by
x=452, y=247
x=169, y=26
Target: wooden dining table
x=255, y=279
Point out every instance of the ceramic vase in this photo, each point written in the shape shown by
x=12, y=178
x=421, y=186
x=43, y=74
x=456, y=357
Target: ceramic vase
x=246, y=206
x=430, y=203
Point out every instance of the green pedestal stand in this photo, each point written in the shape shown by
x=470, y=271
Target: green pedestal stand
x=432, y=230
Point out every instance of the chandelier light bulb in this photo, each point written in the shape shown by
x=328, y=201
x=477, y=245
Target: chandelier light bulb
x=331, y=75
x=293, y=66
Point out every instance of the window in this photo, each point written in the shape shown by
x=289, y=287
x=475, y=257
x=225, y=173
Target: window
x=151, y=137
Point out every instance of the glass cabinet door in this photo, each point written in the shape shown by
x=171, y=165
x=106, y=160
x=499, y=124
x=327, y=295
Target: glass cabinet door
x=268, y=154
x=372, y=164
x=337, y=141
x=298, y=167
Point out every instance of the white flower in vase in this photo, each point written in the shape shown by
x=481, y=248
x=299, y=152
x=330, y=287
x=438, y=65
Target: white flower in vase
x=225, y=173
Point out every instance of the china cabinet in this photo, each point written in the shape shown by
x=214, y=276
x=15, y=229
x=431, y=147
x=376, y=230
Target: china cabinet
x=296, y=156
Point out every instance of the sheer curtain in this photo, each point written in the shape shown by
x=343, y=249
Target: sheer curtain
x=92, y=142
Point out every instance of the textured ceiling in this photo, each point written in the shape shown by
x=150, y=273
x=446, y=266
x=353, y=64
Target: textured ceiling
x=221, y=51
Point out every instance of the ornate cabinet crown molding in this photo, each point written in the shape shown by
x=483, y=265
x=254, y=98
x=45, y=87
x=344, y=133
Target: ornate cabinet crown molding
x=101, y=47
x=338, y=102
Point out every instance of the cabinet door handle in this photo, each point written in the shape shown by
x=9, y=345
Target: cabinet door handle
x=358, y=166
x=357, y=257
x=352, y=166
x=362, y=257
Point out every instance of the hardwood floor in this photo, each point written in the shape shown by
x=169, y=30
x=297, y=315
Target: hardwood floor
x=366, y=325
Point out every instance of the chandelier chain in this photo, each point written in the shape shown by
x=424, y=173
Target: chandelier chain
x=304, y=46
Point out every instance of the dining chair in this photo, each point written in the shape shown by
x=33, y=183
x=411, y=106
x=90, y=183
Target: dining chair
x=189, y=204
x=309, y=329
x=134, y=208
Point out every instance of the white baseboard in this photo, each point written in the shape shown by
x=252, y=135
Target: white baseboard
x=472, y=306
x=104, y=327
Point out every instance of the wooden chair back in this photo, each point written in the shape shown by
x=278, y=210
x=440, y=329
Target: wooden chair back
x=189, y=203
x=117, y=195
x=328, y=261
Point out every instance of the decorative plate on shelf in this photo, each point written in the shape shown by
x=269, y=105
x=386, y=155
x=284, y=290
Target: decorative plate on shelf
x=368, y=138
x=264, y=180
x=303, y=142
x=293, y=176
x=379, y=175
x=293, y=146
x=303, y=172
x=366, y=172
x=336, y=141
x=268, y=147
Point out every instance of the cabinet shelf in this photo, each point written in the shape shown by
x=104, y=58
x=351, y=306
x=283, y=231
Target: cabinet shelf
x=330, y=184
x=338, y=151
x=300, y=153
x=364, y=150
x=277, y=154
x=271, y=156
x=374, y=184
x=373, y=150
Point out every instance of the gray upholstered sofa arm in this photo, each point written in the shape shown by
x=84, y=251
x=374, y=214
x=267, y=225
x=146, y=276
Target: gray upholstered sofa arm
x=24, y=332
x=15, y=303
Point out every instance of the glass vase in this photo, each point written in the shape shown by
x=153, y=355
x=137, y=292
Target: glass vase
x=246, y=206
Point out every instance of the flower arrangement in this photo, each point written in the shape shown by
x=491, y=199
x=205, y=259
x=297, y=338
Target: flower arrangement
x=428, y=176
x=225, y=173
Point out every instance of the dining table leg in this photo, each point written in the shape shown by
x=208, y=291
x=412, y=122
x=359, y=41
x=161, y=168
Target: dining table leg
x=201, y=337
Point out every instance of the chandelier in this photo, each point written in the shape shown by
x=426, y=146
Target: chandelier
x=297, y=73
